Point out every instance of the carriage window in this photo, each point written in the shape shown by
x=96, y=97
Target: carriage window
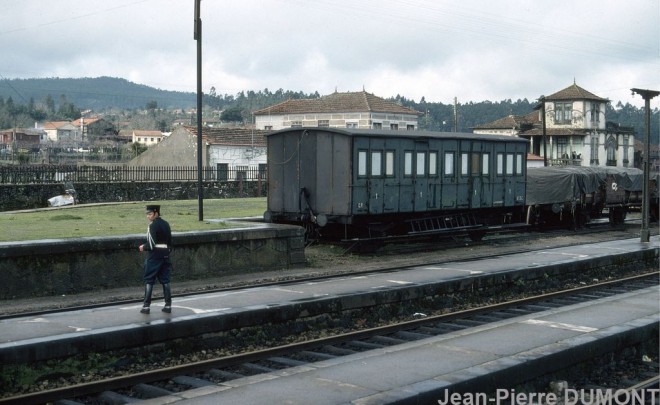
x=500, y=164
x=449, y=163
x=407, y=164
x=389, y=163
x=420, y=164
x=376, y=163
x=485, y=162
x=509, y=163
x=519, y=167
x=433, y=163
x=464, y=164
x=476, y=161
x=362, y=163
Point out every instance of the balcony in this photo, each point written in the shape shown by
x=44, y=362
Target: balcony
x=565, y=162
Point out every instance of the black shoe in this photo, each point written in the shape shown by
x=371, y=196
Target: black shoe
x=167, y=309
x=145, y=310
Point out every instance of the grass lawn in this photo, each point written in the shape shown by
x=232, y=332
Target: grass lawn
x=122, y=218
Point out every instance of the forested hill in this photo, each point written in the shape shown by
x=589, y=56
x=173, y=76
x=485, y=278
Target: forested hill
x=59, y=99
x=94, y=93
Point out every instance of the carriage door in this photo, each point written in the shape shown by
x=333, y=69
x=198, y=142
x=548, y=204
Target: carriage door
x=360, y=194
x=510, y=179
x=521, y=175
x=376, y=176
x=368, y=180
x=391, y=176
x=464, y=186
x=420, y=177
x=476, y=192
x=448, y=189
x=499, y=183
x=486, y=176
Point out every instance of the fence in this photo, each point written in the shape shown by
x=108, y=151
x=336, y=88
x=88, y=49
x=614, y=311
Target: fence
x=49, y=174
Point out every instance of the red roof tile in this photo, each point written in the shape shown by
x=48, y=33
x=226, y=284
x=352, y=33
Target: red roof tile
x=232, y=136
x=512, y=121
x=338, y=103
x=574, y=92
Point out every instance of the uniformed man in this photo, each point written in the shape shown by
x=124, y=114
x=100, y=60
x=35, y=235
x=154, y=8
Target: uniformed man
x=157, y=264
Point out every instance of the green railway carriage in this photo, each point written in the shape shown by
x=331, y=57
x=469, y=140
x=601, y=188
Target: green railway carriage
x=374, y=183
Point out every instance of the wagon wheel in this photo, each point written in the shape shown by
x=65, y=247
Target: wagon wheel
x=476, y=236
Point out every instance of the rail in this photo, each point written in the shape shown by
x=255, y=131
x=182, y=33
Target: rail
x=50, y=174
x=272, y=359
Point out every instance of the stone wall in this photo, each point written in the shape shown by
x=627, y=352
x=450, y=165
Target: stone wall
x=28, y=196
x=56, y=267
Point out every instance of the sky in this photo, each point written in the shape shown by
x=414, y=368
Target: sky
x=468, y=50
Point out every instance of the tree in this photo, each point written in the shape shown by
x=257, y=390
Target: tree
x=233, y=114
x=50, y=105
x=137, y=148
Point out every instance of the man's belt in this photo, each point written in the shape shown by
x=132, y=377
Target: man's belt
x=161, y=246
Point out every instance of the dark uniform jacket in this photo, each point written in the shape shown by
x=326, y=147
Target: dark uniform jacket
x=159, y=239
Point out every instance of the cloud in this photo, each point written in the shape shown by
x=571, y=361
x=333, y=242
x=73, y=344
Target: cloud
x=472, y=50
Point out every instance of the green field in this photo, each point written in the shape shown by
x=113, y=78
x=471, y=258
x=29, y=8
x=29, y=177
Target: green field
x=122, y=218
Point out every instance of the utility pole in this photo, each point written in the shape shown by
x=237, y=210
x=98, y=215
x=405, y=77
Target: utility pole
x=541, y=106
x=647, y=95
x=545, y=137
x=198, y=38
x=455, y=115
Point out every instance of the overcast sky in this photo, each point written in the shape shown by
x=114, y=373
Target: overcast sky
x=474, y=50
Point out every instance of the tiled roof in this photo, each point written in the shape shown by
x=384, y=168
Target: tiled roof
x=574, y=92
x=338, y=103
x=512, y=121
x=556, y=131
x=86, y=121
x=55, y=124
x=232, y=136
x=138, y=132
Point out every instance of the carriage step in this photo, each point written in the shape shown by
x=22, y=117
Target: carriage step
x=442, y=223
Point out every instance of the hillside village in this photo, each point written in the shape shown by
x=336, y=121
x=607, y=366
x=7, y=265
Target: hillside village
x=577, y=132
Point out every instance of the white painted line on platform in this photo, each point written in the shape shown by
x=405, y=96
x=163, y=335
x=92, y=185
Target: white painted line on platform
x=78, y=329
x=581, y=256
x=559, y=325
x=400, y=282
x=194, y=310
x=288, y=291
x=200, y=311
x=35, y=320
x=454, y=269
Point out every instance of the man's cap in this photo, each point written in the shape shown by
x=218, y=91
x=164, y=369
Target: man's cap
x=153, y=208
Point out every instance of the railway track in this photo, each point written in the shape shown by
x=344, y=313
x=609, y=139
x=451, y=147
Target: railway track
x=165, y=381
x=411, y=243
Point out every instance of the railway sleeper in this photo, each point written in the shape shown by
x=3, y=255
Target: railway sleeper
x=150, y=391
x=192, y=381
x=224, y=375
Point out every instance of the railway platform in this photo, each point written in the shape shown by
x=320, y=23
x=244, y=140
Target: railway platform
x=35, y=338
x=445, y=369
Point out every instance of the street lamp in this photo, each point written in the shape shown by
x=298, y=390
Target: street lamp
x=198, y=38
x=647, y=95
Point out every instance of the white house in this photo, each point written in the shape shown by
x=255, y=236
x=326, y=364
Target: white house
x=235, y=153
x=62, y=132
x=338, y=110
x=576, y=130
x=147, y=138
